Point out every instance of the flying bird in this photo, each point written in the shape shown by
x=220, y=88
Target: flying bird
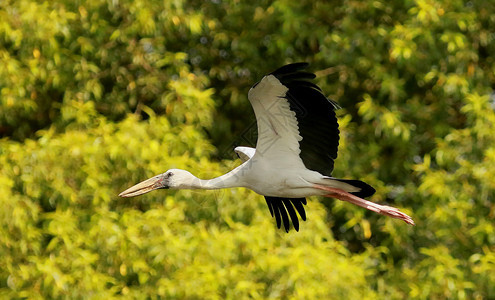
x=298, y=138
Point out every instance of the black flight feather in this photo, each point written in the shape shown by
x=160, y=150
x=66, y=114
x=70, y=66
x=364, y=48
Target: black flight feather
x=297, y=76
x=277, y=212
x=285, y=217
x=269, y=206
x=306, y=83
x=292, y=213
x=282, y=208
x=300, y=208
x=290, y=68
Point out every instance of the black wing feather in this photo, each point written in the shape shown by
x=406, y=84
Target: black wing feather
x=285, y=217
x=269, y=203
x=290, y=68
x=292, y=213
x=297, y=76
x=306, y=83
x=281, y=208
x=300, y=208
x=277, y=214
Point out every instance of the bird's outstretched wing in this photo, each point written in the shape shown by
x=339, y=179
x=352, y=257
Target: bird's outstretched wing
x=282, y=208
x=296, y=122
x=297, y=128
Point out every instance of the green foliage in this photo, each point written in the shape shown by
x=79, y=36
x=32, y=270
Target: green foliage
x=98, y=95
x=64, y=233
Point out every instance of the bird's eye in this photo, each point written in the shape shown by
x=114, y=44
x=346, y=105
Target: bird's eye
x=169, y=174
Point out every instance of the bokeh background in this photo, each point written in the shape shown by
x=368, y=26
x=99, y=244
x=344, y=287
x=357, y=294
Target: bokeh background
x=98, y=95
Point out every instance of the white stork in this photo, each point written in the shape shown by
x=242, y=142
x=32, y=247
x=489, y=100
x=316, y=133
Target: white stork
x=298, y=137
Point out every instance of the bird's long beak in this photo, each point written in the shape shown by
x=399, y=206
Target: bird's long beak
x=144, y=187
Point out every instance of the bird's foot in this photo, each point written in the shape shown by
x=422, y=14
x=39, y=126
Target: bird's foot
x=394, y=213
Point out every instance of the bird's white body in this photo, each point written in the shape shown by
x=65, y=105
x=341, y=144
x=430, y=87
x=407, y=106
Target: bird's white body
x=280, y=180
x=297, y=143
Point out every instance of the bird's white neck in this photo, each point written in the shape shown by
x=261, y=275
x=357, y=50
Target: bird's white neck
x=229, y=180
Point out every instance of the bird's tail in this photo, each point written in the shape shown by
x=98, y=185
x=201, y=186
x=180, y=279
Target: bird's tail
x=364, y=189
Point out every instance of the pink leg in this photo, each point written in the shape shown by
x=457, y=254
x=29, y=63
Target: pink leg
x=381, y=209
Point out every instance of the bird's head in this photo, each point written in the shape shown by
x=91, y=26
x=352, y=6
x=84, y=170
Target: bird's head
x=172, y=179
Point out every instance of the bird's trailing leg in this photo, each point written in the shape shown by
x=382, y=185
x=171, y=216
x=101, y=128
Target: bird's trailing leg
x=381, y=209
